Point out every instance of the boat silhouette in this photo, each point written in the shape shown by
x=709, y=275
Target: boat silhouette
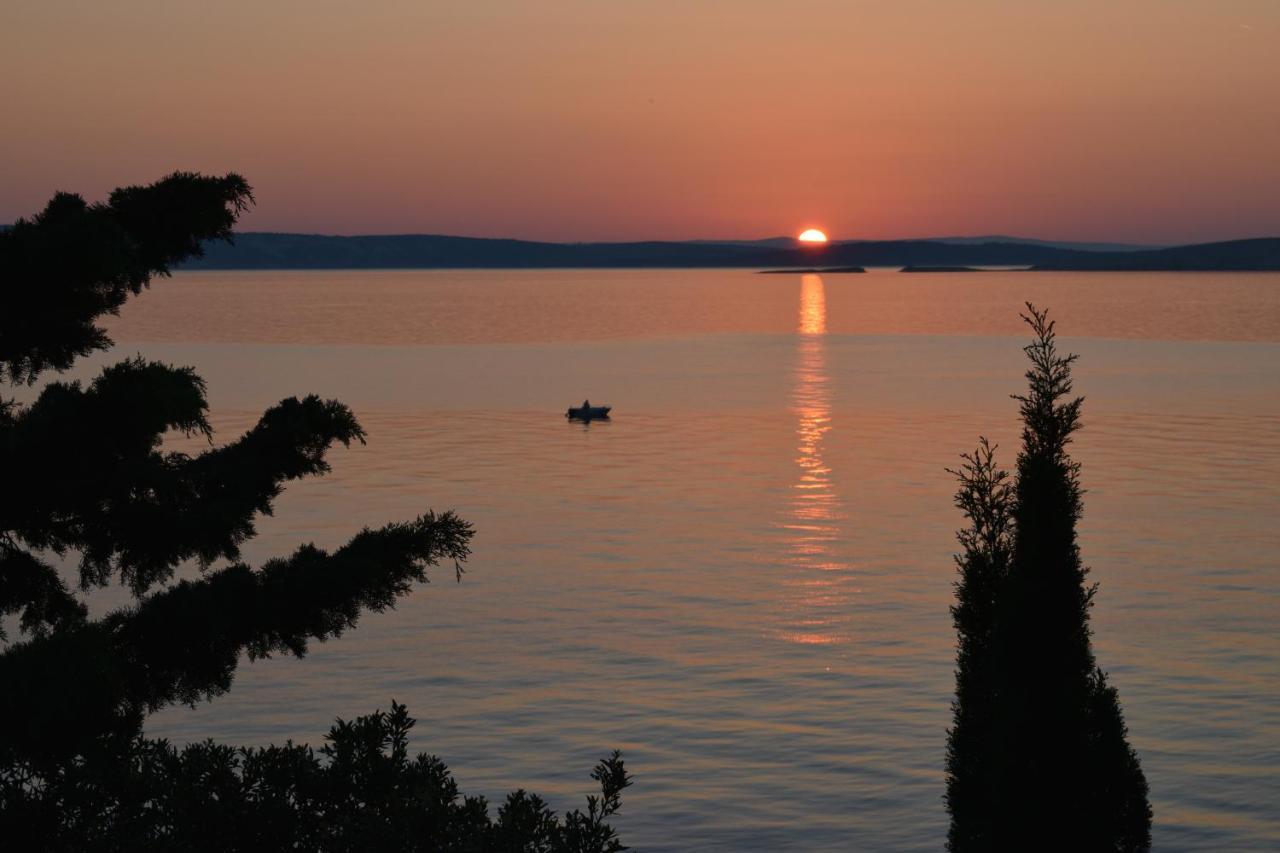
x=588, y=412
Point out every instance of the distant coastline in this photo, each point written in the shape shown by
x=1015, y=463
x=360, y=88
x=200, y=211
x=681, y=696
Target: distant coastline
x=814, y=270
x=264, y=250
x=922, y=268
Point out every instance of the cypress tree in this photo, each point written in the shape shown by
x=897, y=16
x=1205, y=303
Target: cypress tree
x=1038, y=756
x=985, y=497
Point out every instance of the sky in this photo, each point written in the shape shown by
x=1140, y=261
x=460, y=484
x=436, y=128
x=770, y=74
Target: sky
x=1133, y=120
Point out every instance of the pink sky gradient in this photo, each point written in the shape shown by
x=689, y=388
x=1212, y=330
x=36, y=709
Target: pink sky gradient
x=1146, y=121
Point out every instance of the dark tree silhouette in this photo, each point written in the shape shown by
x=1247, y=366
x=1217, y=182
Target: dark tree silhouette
x=362, y=791
x=985, y=496
x=85, y=473
x=1037, y=756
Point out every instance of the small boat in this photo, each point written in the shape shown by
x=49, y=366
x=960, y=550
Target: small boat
x=588, y=412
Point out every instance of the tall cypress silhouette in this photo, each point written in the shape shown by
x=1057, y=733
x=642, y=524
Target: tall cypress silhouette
x=1037, y=756
x=985, y=496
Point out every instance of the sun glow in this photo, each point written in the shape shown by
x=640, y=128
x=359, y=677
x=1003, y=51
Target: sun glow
x=820, y=585
x=812, y=235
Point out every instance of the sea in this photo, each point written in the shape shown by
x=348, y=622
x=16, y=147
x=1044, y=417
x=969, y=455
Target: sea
x=742, y=579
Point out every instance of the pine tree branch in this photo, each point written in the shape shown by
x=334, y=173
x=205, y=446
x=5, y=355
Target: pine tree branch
x=67, y=690
x=33, y=587
x=131, y=509
x=74, y=262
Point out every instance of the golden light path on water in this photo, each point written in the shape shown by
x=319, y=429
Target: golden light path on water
x=819, y=584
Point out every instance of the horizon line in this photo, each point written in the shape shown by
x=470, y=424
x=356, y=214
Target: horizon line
x=988, y=238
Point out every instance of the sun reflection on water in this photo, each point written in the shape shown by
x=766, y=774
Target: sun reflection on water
x=819, y=586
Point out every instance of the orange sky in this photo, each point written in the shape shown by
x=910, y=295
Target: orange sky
x=1141, y=120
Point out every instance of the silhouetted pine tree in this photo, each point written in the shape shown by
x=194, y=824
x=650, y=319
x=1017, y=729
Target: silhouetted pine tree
x=1037, y=756
x=83, y=471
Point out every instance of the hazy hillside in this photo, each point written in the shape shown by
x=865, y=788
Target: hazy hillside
x=309, y=251
x=1239, y=255
x=260, y=250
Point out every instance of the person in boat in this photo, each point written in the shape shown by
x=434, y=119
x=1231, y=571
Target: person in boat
x=586, y=405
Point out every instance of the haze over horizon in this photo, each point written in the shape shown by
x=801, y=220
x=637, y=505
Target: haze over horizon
x=592, y=122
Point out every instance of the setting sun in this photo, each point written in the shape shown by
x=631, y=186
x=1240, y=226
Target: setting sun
x=812, y=235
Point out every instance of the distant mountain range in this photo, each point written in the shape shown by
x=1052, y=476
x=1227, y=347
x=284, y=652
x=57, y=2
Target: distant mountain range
x=264, y=250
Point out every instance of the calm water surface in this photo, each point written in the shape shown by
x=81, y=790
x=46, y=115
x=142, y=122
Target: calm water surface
x=742, y=581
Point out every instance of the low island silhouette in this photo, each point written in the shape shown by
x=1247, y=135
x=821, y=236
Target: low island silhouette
x=264, y=250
